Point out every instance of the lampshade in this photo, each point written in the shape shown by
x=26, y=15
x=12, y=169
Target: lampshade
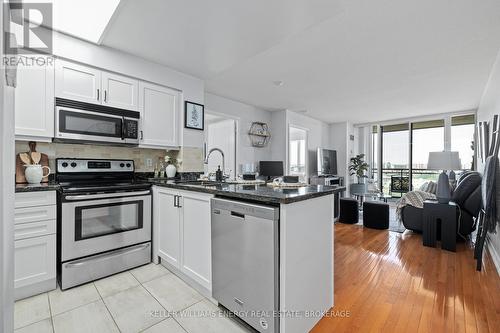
x=444, y=160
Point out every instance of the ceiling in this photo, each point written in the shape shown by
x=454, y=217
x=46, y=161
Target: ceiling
x=339, y=60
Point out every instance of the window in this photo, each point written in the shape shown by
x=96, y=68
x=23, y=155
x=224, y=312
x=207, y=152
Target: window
x=297, y=156
x=374, y=153
x=404, y=150
x=427, y=136
x=462, y=139
x=395, y=153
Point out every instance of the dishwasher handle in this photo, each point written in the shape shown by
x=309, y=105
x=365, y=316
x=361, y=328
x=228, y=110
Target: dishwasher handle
x=238, y=215
x=243, y=210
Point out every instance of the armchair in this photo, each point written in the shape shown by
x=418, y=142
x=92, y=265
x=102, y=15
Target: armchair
x=467, y=196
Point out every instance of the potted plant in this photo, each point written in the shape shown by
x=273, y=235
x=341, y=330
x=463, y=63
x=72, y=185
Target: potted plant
x=358, y=167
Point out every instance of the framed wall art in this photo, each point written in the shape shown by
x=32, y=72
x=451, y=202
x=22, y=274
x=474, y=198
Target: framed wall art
x=194, y=115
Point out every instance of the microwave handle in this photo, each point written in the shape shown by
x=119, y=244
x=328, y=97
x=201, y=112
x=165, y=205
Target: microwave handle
x=123, y=128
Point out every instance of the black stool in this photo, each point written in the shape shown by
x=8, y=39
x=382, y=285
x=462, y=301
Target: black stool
x=375, y=215
x=349, y=212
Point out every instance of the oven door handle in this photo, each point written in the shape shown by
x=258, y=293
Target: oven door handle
x=107, y=255
x=105, y=195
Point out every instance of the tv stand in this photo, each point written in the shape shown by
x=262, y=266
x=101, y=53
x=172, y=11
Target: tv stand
x=328, y=180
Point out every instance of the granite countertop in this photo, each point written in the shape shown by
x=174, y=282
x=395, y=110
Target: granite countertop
x=261, y=193
x=50, y=186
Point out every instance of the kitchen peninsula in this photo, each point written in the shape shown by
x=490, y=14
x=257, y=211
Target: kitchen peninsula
x=183, y=219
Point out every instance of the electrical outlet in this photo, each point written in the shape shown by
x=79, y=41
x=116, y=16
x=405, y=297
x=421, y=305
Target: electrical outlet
x=149, y=162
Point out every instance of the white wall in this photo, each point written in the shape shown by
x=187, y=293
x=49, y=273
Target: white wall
x=6, y=199
x=490, y=105
x=245, y=115
x=279, y=137
x=339, y=137
x=220, y=134
x=103, y=57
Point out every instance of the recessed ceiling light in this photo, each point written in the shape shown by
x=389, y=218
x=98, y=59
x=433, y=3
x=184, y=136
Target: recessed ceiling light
x=84, y=19
x=278, y=83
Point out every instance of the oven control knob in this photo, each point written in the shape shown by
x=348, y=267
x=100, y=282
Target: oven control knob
x=73, y=164
x=122, y=165
x=128, y=165
x=64, y=164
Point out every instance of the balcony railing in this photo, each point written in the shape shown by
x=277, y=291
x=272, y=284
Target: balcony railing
x=396, y=181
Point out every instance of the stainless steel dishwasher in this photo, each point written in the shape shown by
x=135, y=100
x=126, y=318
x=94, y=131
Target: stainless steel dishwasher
x=245, y=261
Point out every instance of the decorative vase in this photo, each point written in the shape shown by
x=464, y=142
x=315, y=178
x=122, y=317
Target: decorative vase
x=34, y=173
x=171, y=170
x=358, y=188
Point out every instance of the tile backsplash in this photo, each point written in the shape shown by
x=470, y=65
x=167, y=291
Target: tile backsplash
x=191, y=158
x=64, y=150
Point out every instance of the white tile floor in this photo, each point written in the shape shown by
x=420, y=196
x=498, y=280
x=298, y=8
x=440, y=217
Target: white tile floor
x=147, y=299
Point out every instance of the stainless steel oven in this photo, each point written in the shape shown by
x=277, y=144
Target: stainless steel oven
x=85, y=122
x=96, y=223
x=104, y=220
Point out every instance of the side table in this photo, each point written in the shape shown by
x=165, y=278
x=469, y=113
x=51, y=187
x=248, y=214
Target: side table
x=446, y=214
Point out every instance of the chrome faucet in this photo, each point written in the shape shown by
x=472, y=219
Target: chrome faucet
x=221, y=153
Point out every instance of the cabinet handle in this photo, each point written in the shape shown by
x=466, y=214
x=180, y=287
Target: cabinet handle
x=97, y=94
x=175, y=201
x=105, y=95
x=179, y=201
x=142, y=136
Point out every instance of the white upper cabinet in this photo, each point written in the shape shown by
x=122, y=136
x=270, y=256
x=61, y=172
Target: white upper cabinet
x=34, y=102
x=78, y=82
x=159, y=107
x=119, y=91
x=87, y=84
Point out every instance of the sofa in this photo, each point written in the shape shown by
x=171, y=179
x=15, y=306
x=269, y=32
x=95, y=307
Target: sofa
x=467, y=196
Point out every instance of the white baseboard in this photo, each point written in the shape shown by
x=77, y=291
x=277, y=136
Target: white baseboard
x=494, y=254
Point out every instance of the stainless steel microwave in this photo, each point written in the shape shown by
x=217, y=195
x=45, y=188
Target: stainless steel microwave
x=85, y=122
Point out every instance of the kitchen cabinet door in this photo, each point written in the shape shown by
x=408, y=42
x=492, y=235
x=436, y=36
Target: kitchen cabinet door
x=120, y=91
x=34, y=102
x=166, y=230
x=196, y=237
x=34, y=265
x=159, y=108
x=77, y=82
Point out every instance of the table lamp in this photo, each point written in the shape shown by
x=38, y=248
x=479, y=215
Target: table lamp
x=443, y=160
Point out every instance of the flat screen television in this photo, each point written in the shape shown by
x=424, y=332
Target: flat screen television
x=327, y=162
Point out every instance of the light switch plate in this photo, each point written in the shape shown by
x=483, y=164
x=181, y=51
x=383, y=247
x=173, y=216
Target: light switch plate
x=149, y=162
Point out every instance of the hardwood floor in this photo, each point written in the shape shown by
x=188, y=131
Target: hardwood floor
x=389, y=282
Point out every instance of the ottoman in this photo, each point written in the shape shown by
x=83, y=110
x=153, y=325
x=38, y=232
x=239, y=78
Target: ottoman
x=349, y=212
x=376, y=215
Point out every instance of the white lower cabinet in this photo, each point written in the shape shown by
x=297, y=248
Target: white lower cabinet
x=34, y=243
x=35, y=262
x=167, y=220
x=182, y=231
